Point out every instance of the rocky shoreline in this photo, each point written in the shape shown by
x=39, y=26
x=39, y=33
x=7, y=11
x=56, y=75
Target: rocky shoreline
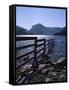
x=47, y=71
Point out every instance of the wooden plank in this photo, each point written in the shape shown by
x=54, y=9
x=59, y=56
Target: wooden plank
x=39, y=55
x=24, y=63
x=20, y=38
x=49, y=40
x=22, y=47
x=35, y=62
x=40, y=40
x=44, y=46
x=40, y=50
x=22, y=55
x=40, y=45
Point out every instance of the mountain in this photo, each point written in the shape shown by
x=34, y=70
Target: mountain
x=40, y=29
x=21, y=31
x=63, y=32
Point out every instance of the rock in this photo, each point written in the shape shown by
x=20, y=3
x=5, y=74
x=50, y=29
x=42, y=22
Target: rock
x=64, y=71
x=51, y=73
x=61, y=60
x=27, y=66
x=50, y=68
x=44, y=71
x=47, y=79
x=62, y=77
x=60, y=63
x=41, y=66
x=30, y=72
x=58, y=70
x=65, y=67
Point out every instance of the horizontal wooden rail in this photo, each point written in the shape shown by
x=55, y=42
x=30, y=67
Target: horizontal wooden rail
x=24, y=63
x=45, y=46
x=18, y=38
x=20, y=56
x=22, y=47
x=40, y=45
x=39, y=50
x=40, y=40
x=49, y=40
x=39, y=55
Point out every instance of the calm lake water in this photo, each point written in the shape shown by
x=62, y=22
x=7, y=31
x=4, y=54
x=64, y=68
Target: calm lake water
x=59, y=49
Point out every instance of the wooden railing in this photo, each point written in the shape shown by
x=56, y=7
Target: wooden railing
x=47, y=47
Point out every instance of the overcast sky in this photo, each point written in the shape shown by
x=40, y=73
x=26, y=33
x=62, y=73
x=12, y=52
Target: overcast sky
x=28, y=16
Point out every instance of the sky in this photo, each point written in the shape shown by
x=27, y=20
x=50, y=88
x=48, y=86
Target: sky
x=28, y=16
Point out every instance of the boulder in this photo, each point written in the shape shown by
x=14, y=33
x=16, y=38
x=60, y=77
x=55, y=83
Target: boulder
x=61, y=62
x=47, y=79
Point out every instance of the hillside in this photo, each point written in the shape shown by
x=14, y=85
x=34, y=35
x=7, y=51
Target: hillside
x=21, y=31
x=39, y=29
x=63, y=32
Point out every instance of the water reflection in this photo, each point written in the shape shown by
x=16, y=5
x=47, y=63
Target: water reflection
x=59, y=48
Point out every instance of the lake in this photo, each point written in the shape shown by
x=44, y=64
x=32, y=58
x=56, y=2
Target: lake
x=59, y=49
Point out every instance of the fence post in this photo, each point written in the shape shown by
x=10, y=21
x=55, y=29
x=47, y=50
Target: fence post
x=48, y=46
x=35, y=62
x=44, y=46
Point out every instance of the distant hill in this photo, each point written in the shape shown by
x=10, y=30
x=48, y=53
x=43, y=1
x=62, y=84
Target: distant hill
x=21, y=31
x=63, y=32
x=40, y=29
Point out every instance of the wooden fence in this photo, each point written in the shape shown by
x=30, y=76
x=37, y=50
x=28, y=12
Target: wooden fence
x=47, y=47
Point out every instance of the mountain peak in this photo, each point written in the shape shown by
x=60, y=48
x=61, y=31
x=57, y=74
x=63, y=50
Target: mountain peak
x=38, y=25
x=38, y=29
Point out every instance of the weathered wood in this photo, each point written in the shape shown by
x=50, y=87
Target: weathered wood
x=40, y=45
x=40, y=50
x=22, y=47
x=35, y=62
x=40, y=40
x=21, y=38
x=20, y=65
x=44, y=46
x=22, y=55
x=36, y=46
x=35, y=57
